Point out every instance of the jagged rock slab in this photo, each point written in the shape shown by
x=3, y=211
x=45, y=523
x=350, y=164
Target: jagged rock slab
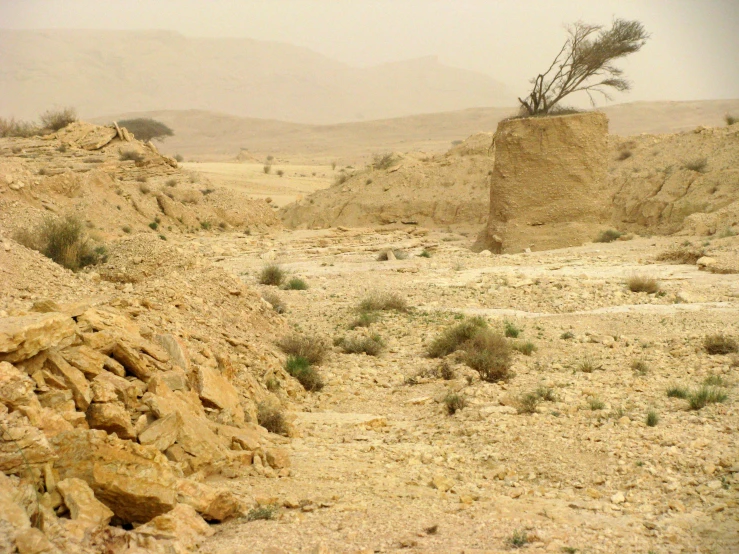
x=22, y=337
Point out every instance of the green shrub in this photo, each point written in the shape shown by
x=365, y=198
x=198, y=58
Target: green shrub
x=296, y=284
x=546, y=394
x=640, y=367
x=608, y=235
x=364, y=319
x=153, y=225
x=371, y=345
x=454, y=402
x=730, y=119
x=587, y=365
x=519, y=539
x=63, y=240
x=526, y=348
x=596, y=404
x=677, y=392
x=272, y=274
x=715, y=381
x=179, y=158
x=126, y=229
x=567, y=335
x=706, y=395
x=652, y=418
x=489, y=354
x=54, y=120
x=313, y=349
x=511, y=330
x=300, y=368
x=425, y=254
x=720, y=344
x=452, y=338
x=262, y=512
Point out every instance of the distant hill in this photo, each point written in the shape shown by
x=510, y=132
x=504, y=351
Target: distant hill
x=207, y=135
x=101, y=72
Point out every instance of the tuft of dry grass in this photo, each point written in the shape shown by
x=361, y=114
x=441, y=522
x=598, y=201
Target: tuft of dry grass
x=682, y=254
x=271, y=418
x=720, y=344
x=642, y=283
x=699, y=165
x=454, y=337
x=272, y=275
x=54, y=120
x=527, y=403
x=609, y=235
x=364, y=319
x=277, y=303
x=130, y=155
x=489, y=354
x=385, y=301
x=313, y=349
x=16, y=128
x=372, y=345
x=454, y=402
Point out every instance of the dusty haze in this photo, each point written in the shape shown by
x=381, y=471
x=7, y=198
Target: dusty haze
x=497, y=43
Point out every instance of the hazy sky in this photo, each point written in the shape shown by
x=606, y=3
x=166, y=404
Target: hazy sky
x=693, y=52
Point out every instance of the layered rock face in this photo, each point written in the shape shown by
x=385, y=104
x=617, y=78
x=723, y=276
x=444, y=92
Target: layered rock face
x=548, y=187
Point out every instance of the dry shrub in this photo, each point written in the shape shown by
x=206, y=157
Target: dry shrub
x=720, y=344
x=364, y=319
x=642, y=283
x=454, y=337
x=699, y=165
x=682, y=254
x=382, y=161
x=527, y=403
x=609, y=235
x=454, y=402
x=271, y=274
x=384, y=301
x=58, y=119
x=489, y=354
x=130, y=155
x=145, y=129
x=372, y=345
x=313, y=349
x=63, y=240
x=16, y=128
x=277, y=303
x=271, y=418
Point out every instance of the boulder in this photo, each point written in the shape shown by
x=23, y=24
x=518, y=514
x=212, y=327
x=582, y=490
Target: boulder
x=278, y=458
x=175, y=349
x=162, y=433
x=111, y=417
x=182, y=525
x=131, y=359
x=84, y=358
x=16, y=388
x=73, y=378
x=11, y=512
x=25, y=336
x=22, y=444
x=81, y=501
x=211, y=503
x=216, y=392
x=548, y=188
x=134, y=481
x=111, y=387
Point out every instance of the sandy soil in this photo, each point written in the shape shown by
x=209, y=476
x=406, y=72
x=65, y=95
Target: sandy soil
x=381, y=466
x=296, y=182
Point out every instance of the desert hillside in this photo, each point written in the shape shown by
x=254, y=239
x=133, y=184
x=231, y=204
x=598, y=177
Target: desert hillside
x=206, y=135
x=102, y=72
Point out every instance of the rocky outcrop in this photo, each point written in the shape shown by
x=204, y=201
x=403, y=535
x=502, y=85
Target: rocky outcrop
x=548, y=188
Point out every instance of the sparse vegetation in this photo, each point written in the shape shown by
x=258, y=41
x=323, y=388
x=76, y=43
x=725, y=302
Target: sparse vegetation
x=720, y=344
x=300, y=368
x=706, y=395
x=511, y=330
x=715, y=381
x=587, y=365
x=372, y=345
x=130, y=155
x=153, y=225
x=171, y=182
x=126, y=229
x=425, y=254
x=364, y=319
x=454, y=337
x=731, y=119
x=624, y=155
x=296, y=283
x=382, y=161
x=146, y=129
x=454, y=403
x=526, y=348
x=272, y=275
x=262, y=512
x=387, y=301
x=271, y=418
x=596, y=403
x=698, y=165
x=609, y=235
x=642, y=283
x=640, y=367
x=63, y=240
x=652, y=418
x=144, y=188
x=489, y=354
x=313, y=349
x=16, y=128
x=567, y=335
x=267, y=168
x=179, y=158
x=546, y=394
x=684, y=253
x=276, y=302
x=527, y=403
x=677, y=392
x=53, y=120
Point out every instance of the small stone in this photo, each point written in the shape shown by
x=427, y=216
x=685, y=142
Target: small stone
x=618, y=498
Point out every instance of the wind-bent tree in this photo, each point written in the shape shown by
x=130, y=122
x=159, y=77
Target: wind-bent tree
x=585, y=63
x=145, y=128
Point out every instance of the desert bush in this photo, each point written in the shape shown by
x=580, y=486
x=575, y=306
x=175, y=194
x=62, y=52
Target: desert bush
x=489, y=354
x=677, y=392
x=382, y=161
x=58, y=119
x=454, y=402
x=596, y=403
x=454, y=337
x=399, y=255
x=280, y=172
x=652, y=418
x=425, y=254
x=296, y=283
x=682, y=254
x=642, y=283
x=364, y=319
x=179, y=158
x=511, y=331
x=342, y=177
x=276, y=302
x=587, y=365
x=730, y=119
x=16, y=128
x=64, y=241
x=698, y=165
x=262, y=512
x=383, y=301
x=171, y=182
x=720, y=344
x=300, y=368
x=609, y=235
x=205, y=225
x=145, y=128
x=271, y=418
x=526, y=348
x=706, y=395
x=640, y=367
x=126, y=229
x=567, y=335
x=153, y=225
x=372, y=345
x=272, y=274
x=546, y=394
x=312, y=348
x=624, y=155
x=130, y=155
x=715, y=381
x=527, y=403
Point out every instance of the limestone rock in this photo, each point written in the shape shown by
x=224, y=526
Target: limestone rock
x=21, y=443
x=81, y=501
x=175, y=349
x=16, y=388
x=213, y=504
x=25, y=336
x=84, y=358
x=278, y=458
x=134, y=481
x=216, y=392
x=124, y=390
x=131, y=359
x=163, y=432
x=73, y=378
x=111, y=417
x=182, y=524
x=10, y=512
